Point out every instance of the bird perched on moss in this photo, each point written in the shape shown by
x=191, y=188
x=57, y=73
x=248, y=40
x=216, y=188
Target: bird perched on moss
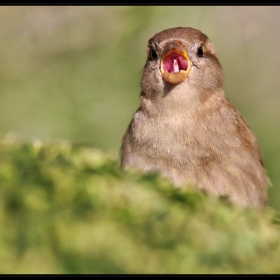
x=186, y=128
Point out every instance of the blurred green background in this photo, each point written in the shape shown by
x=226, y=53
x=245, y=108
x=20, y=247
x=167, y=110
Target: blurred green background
x=73, y=73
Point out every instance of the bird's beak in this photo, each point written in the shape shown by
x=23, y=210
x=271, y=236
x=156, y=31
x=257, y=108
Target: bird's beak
x=175, y=63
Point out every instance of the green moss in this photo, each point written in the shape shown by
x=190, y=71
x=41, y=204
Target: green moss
x=71, y=209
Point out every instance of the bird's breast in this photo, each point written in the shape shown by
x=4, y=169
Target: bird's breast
x=172, y=140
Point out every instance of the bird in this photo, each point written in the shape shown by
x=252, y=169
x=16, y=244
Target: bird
x=186, y=129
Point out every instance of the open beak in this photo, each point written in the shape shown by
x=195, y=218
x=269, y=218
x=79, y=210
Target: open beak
x=175, y=63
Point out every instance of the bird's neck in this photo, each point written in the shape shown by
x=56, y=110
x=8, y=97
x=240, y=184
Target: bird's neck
x=173, y=101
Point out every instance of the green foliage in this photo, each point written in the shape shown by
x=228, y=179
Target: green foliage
x=66, y=208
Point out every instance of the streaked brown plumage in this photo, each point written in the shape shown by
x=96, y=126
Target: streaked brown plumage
x=186, y=128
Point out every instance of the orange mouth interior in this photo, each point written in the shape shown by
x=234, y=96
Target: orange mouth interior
x=175, y=66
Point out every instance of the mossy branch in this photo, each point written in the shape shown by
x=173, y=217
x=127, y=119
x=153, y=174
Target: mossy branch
x=71, y=209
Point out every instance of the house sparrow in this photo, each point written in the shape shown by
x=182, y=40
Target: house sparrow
x=186, y=129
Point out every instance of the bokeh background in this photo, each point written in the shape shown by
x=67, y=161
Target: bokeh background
x=73, y=73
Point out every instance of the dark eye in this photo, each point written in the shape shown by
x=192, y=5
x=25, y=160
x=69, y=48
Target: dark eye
x=153, y=54
x=200, y=51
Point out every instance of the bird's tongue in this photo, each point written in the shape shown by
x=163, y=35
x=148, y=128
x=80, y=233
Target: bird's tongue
x=175, y=62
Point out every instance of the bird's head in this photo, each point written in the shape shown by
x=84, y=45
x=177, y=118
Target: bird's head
x=182, y=58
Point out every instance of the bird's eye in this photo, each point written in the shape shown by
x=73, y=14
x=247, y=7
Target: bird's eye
x=153, y=54
x=200, y=51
